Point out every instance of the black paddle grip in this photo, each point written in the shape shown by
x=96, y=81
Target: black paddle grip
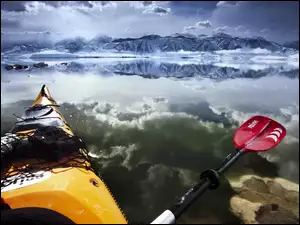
x=213, y=177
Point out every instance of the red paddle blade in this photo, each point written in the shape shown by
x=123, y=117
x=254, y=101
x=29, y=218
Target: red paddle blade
x=259, y=133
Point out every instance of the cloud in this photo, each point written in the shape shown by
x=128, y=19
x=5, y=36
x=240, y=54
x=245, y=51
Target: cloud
x=150, y=7
x=203, y=24
x=247, y=32
x=146, y=3
x=10, y=23
x=198, y=26
x=189, y=28
x=97, y=3
x=240, y=28
x=36, y=7
x=157, y=9
x=265, y=30
x=221, y=29
x=17, y=6
x=91, y=18
x=222, y=3
x=72, y=19
x=226, y=3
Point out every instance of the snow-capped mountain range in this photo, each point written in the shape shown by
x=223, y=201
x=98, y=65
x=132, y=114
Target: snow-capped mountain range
x=149, y=44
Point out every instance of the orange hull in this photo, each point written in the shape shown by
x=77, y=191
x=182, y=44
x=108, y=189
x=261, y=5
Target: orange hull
x=77, y=193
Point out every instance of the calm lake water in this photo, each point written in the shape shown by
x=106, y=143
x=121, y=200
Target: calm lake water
x=153, y=126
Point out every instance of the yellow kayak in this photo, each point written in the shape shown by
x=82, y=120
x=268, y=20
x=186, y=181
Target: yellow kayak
x=65, y=184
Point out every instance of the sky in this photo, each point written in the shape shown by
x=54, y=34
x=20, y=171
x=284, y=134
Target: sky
x=274, y=20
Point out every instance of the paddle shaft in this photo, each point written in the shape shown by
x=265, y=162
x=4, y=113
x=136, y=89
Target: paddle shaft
x=169, y=216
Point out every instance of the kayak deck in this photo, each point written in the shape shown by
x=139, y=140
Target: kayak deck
x=67, y=185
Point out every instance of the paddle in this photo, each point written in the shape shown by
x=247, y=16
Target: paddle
x=256, y=135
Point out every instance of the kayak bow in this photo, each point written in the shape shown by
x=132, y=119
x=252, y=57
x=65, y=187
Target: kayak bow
x=77, y=193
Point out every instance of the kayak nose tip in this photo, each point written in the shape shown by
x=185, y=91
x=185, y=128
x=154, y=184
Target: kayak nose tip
x=45, y=91
x=43, y=88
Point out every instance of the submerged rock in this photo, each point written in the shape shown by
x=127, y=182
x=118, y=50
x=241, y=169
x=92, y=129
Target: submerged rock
x=20, y=67
x=25, y=67
x=8, y=67
x=265, y=200
x=40, y=65
x=244, y=209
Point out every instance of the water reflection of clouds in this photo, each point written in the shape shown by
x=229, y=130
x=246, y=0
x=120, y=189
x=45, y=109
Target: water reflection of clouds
x=178, y=127
x=269, y=92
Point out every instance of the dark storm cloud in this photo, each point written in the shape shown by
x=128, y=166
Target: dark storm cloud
x=17, y=6
x=280, y=18
x=273, y=15
x=159, y=10
x=146, y=3
x=192, y=8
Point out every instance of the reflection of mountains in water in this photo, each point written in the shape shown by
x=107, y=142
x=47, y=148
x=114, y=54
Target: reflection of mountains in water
x=152, y=69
